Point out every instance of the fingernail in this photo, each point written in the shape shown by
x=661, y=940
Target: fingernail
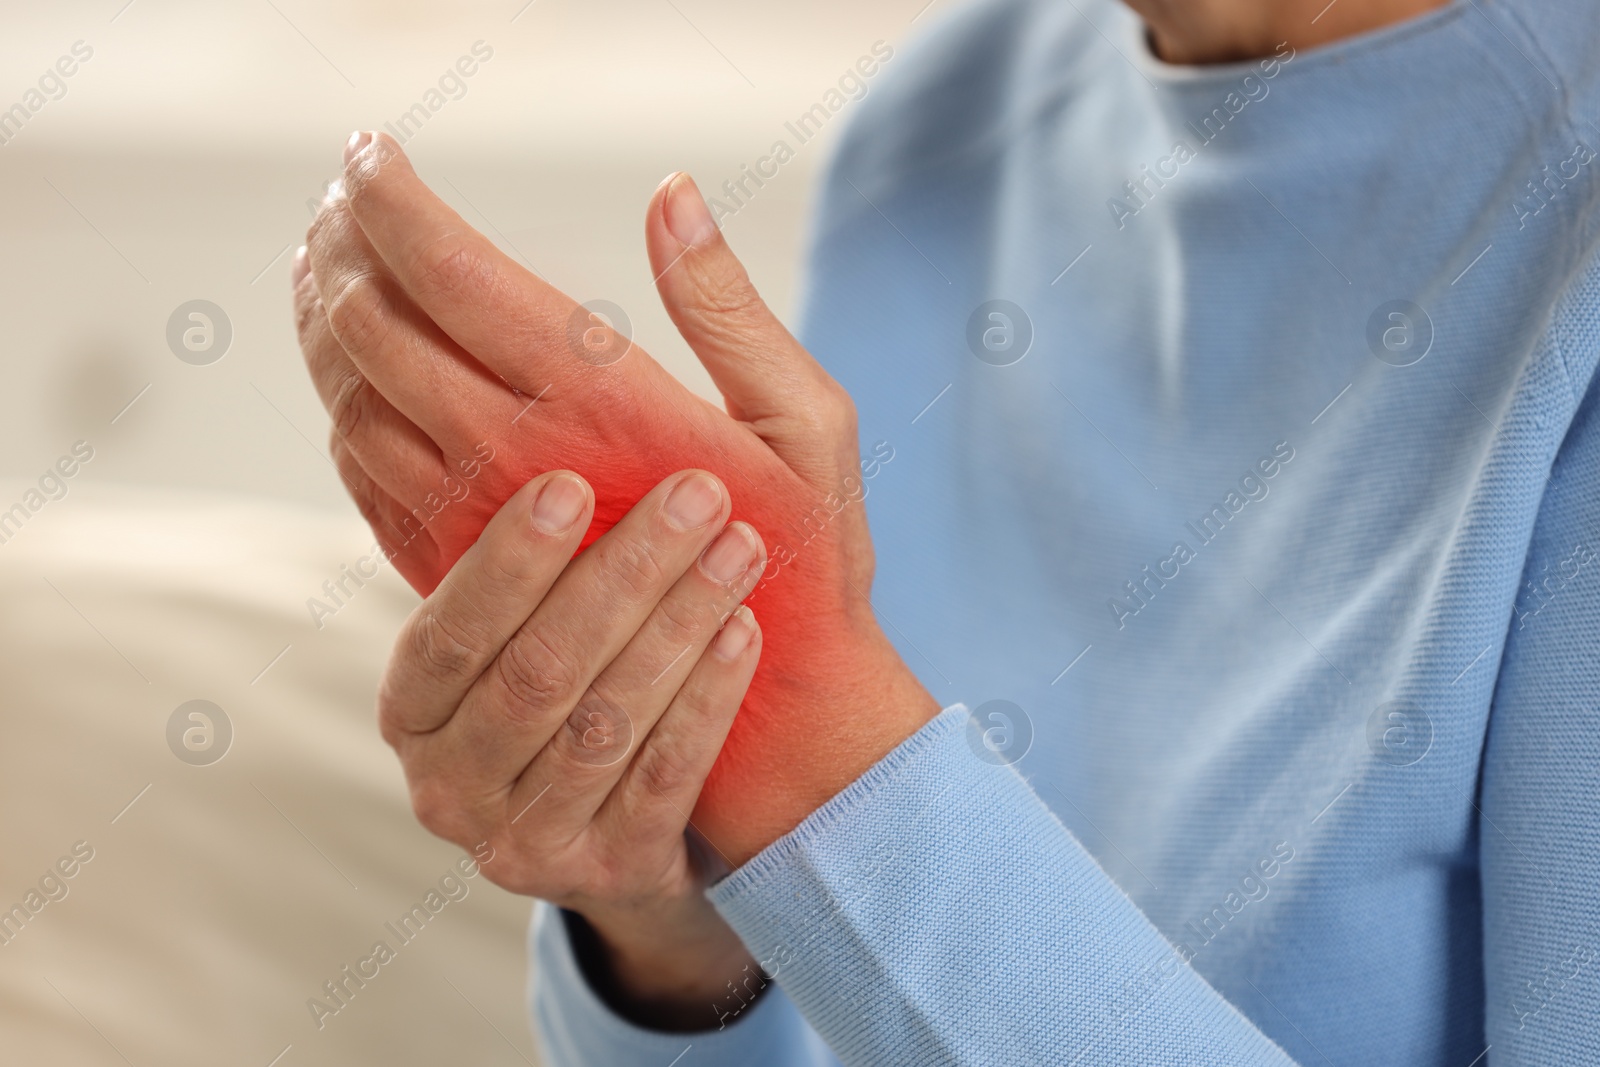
x=694, y=502
x=358, y=140
x=559, y=504
x=736, y=634
x=687, y=215
x=300, y=267
x=730, y=555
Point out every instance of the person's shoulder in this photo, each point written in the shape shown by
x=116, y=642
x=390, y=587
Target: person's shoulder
x=959, y=84
x=1560, y=39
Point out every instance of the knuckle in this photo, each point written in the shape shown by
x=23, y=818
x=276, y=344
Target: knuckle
x=731, y=298
x=731, y=311
x=681, y=620
x=596, y=731
x=361, y=180
x=534, y=678
x=444, y=649
x=449, y=266
x=317, y=230
x=390, y=720
x=840, y=400
x=435, y=806
x=831, y=414
x=842, y=426
x=356, y=482
x=633, y=567
x=516, y=566
x=664, y=771
x=327, y=364
x=351, y=400
x=309, y=316
x=359, y=314
x=331, y=226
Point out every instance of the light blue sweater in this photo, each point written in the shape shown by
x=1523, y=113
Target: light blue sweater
x=1282, y=536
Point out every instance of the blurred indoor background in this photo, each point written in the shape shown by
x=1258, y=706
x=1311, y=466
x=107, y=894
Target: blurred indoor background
x=178, y=162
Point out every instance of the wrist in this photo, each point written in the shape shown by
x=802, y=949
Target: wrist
x=812, y=733
x=666, y=966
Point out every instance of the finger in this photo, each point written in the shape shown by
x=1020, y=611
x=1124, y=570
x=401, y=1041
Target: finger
x=389, y=446
x=593, y=611
x=404, y=535
x=663, y=781
x=766, y=377
x=398, y=348
x=457, y=632
x=384, y=514
x=487, y=302
x=625, y=702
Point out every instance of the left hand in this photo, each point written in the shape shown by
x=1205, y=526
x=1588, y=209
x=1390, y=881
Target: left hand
x=449, y=369
x=561, y=714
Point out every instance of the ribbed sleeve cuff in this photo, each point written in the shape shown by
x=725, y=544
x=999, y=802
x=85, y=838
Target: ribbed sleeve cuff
x=936, y=912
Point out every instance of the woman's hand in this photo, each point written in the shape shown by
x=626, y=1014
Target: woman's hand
x=454, y=375
x=568, y=713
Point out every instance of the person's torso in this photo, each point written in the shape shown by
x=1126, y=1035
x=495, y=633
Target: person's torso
x=1220, y=405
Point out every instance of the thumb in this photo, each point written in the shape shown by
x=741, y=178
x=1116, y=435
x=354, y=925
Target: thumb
x=767, y=379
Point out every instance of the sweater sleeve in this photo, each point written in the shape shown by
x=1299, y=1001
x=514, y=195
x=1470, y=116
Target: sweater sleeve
x=893, y=917
x=936, y=912
x=578, y=1029
x=1539, y=830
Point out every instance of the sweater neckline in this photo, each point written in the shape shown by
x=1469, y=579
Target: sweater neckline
x=1136, y=46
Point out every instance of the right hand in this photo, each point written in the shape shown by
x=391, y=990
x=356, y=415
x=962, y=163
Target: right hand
x=566, y=714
